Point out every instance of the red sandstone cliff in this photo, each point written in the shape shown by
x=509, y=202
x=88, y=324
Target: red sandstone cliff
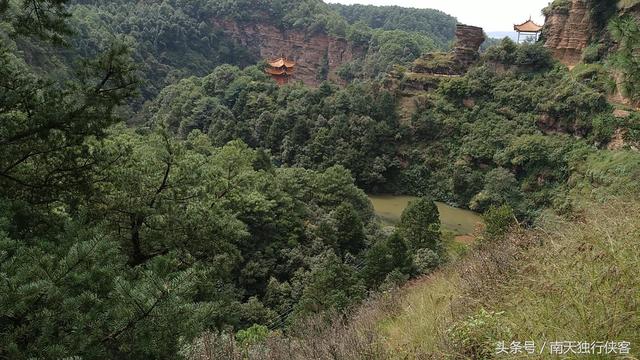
x=569, y=28
x=310, y=52
x=568, y=31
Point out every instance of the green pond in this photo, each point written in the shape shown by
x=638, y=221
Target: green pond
x=389, y=208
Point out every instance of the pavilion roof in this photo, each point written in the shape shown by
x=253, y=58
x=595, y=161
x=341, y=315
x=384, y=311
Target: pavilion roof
x=528, y=26
x=278, y=71
x=281, y=62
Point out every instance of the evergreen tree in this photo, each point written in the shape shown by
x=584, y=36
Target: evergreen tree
x=349, y=229
x=420, y=225
x=330, y=285
x=384, y=257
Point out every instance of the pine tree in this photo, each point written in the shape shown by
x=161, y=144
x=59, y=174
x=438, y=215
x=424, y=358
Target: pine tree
x=420, y=225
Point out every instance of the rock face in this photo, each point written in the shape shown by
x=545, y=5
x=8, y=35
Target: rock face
x=317, y=56
x=468, y=41
x=568, y=31
x=570, y=28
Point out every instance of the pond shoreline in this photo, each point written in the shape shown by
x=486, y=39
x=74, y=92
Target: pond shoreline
x=461, y=222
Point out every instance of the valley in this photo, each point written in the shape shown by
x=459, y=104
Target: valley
x=205, y=180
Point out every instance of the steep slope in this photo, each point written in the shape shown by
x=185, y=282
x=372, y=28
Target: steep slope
x=568, y=30
x=566, y=279
x=601, y=32
x=569, y=278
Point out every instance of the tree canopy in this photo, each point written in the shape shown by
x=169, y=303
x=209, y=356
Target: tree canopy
x=219, y=201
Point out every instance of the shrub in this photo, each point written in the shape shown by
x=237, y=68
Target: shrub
x=477, y=336
x=602, y=11
x=497, y=221
x=632, y=124
x=394, y=280
x=256, y=334
x=535, y=56
x=595, y=76
x=592, y=53
x=626, y=31
x=525, y=56
x=500, y=187
x=426, y=260
x=502, y=52
x=603, y=128
x=557, y=6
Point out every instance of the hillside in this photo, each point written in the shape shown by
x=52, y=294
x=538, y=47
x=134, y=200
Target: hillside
x=432, y=23
x=163, y=197
x=174, y=40
x=564, y=279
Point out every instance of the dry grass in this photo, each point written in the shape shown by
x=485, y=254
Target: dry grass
x=583, y=284
x=322, y=338
x=626, y=4
x=423, y=319
x=574, y=281
x=431, y=308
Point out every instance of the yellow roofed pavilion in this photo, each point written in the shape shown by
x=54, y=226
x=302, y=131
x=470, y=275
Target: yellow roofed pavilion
x=281, y=70
x=282, y=62
x=528, y=28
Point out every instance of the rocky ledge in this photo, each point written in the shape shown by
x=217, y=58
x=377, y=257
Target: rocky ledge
x=457, y=62
x=427, y=71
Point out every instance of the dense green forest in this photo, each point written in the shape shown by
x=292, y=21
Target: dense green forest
x=144, y=239
x=171, y=40
x=157, y=187
x=433, y=23
x=473, y=156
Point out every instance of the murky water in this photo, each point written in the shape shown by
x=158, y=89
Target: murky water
x=389, y=208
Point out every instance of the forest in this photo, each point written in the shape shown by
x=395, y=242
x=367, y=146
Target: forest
x=433, y=23
x=172, y=40
x=159, y=191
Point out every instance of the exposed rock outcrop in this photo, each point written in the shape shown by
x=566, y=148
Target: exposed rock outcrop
x=314, y=54
x=427, y=71
x=568, y=31
x=457, y=62
x=468, y=42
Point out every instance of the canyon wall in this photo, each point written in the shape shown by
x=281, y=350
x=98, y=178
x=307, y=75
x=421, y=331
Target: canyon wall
x=568, y=31
x=312, y=53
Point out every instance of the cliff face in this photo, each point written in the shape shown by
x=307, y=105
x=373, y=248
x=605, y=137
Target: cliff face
x=468, y=42
x=312, y=53
x=568, y=32
x=570, y=28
